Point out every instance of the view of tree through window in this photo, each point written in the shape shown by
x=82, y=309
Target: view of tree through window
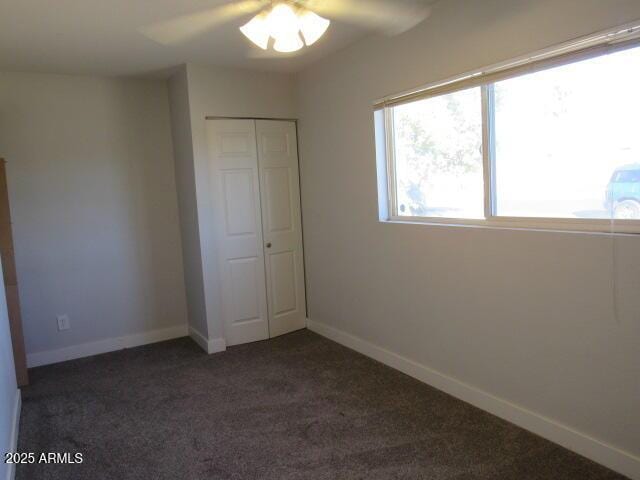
x=438, y=152
x=565, y=145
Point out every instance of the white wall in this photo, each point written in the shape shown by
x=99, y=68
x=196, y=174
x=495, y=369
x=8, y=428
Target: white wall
x=8, y=387
x=524, y=316
x=187, y=203
x=234, y=93
x=94, y=209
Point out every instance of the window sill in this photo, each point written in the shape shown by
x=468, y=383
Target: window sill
x=582, y=226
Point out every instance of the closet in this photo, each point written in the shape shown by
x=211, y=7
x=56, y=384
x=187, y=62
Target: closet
x=256, y=198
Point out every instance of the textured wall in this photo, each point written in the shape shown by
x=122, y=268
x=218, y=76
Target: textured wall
x=93, y=200
x=526, y=316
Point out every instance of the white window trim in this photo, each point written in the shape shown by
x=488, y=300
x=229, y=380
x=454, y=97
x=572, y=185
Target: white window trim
x=578, y=225
x=567, y=52
x=388, y=207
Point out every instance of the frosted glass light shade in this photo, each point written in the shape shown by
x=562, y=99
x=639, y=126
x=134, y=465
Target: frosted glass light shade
x=282, y=20
x=285, y=23
x=312, y=26
x=257, y=30
x=288, y=42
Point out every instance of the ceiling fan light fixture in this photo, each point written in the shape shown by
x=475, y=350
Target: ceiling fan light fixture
x=288, y=42
x=288, y=24
x=312, y=26
x=282, y=20
x=257, y=30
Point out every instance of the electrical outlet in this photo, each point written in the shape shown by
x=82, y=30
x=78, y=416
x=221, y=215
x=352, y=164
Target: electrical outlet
x=63, y=322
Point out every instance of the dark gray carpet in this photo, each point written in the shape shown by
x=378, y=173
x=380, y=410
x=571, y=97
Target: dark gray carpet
x=295, y=407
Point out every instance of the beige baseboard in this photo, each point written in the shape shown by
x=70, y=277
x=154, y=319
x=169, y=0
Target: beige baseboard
x=214, y=345
x=37, y=359
x=594, y=449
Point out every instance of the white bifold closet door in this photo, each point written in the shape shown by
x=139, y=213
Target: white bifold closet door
x=254, y=169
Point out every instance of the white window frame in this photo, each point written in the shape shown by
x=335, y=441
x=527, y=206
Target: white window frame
x=619, y=38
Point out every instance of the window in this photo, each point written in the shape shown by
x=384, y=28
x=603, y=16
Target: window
x=551, y=142
x=561, y=134
x=438, y=156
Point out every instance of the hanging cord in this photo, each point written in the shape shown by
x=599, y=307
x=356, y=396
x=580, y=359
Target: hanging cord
x=614, y=264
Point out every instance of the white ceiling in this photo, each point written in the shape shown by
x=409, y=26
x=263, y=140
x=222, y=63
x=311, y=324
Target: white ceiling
x=102, y=37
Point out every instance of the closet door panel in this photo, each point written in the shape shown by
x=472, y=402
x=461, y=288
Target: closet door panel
x=282, y=226
x=235, y=178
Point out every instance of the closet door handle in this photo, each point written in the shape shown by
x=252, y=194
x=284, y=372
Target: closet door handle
x=268, y=245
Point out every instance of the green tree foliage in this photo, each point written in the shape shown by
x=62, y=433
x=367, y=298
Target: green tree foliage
x=436, y=137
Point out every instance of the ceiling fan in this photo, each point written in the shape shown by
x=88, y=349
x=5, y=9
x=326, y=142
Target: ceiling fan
x=293, y=23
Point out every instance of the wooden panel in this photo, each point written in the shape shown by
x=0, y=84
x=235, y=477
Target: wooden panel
x=5, y=216
x=9, y=267
x=6, y=242
x=15, y=320
x=11, y=281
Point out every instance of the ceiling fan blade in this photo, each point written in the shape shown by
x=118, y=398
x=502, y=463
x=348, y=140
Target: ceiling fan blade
x=184, y=28
x=391, y=17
